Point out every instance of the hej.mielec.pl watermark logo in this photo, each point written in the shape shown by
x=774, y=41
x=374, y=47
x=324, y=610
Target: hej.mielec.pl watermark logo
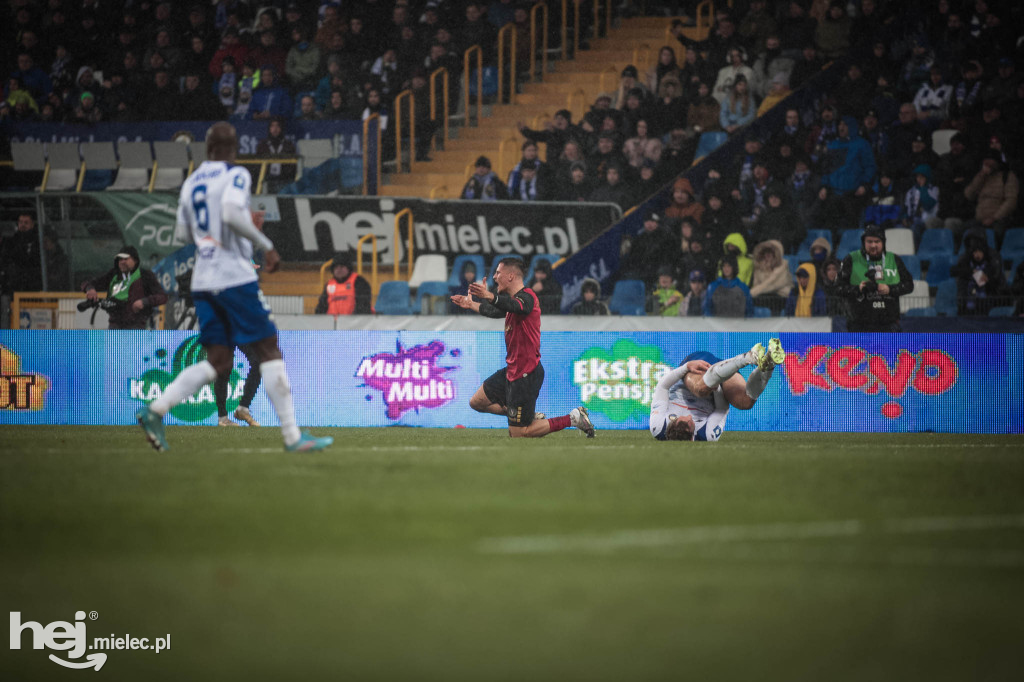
x=71, y=637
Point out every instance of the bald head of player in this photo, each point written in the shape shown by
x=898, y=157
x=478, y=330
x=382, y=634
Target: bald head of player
x=221, y=142
x=681, y=428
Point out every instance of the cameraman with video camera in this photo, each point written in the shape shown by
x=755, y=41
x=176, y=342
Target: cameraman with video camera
x=872, y=280
x=132, y=292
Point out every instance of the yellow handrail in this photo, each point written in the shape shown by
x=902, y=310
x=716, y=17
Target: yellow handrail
x=263, y=164
x=503, y=168
x=398, y=129
x=507, y=29
x=583, y=102
x=433, y=101
x=323, y=272
x=539, y=119
x=373, y=264
x=51, y=300
x=604, y=72
x=366, y=134
x=539, y=8
x=437, y=189
x=81, y=176
x=398, y=220
x=470, y=169
x=478, y=51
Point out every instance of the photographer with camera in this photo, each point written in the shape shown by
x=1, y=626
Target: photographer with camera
x=872, y=280
x=132, y=292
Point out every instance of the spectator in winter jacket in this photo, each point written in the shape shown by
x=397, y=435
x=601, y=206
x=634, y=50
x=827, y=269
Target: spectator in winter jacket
x=871, y=280
x=650, y=250
x=303, y=60
x=693, y=302
x=547, y=288
x=731, y=74
x=728, y=296
x=735, y=247
x=347, y=292
x=994, y=188
x=275, y=144
x=270, y=99
x=772, y=280
x=614, y=189
x=557, y=132
x=684, y=203
x=466, y=277
x=591, y=303
x=806, y=300
x=921, y=203
x=778, y=90
x=832, y=36
x=693, y=256
x=846, y=188
x=739, y=107
x=666, y=297
x=484, y=184
x=932, y=99
x=828, y=280
x=779, y=221
x=979, y=275
x=820, y=250
x=955, y=170
x=528, y=185
x=135, y=291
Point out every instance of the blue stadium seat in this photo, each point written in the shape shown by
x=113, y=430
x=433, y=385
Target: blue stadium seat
x=938, y=241
x=393, y=299
x=945, y=298
x=1002, y=311
x=938, y=270
x=432, y=288
x=761, y=311
x=848, y=241
x=1013, y=247
x=913, y=264
x=460, y=261
x=921, y=312
x=709, y=142
x=549, y=257
x=628, y=298
x=804, y=252
x=794, y=262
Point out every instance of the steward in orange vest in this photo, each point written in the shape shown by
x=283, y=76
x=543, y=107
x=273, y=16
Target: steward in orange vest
x=347, y=293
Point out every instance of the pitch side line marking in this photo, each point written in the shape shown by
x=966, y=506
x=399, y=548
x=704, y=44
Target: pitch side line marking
x=776, y=532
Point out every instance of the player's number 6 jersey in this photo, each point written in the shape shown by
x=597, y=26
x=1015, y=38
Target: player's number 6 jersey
x=223, y=258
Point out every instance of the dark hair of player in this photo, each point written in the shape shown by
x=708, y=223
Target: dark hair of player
x=679, y=429
x=516, y=263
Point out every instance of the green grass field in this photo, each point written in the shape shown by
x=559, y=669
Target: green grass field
x=411, y=554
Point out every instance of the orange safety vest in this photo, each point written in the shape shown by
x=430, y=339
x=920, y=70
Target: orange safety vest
x=341, y=296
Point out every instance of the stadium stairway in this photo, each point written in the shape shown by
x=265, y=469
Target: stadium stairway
x=634, y=40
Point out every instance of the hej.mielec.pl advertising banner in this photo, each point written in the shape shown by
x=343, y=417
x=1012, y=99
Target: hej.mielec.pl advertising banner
x=829, y=382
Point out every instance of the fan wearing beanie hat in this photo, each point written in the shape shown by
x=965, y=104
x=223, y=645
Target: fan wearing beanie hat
x=484, y=184
x=872, y=280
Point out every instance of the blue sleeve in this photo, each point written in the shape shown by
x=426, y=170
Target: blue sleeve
x=868, y=165
x=790, y=305
x=819, y=309
x=709, y=309
x=724, y=115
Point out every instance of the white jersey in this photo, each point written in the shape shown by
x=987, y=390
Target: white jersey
x=672, y=400
x=223, y=257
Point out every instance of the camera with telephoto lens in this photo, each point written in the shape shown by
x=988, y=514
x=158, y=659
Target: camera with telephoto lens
x=871, y=286
x=101, y=303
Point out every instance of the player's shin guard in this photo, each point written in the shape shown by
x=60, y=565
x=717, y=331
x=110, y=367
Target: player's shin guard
x=279, y=390
x=185, y=384
x=720, y=371
x=756, y=382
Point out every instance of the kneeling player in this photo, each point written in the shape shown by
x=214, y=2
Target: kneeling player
x=692, y=401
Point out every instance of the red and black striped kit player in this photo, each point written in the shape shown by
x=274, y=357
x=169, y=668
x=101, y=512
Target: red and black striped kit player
x=513, y=390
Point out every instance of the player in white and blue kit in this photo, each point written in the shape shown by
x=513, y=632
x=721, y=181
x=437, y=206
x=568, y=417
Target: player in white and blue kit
x=213, y=212
x=692, y=401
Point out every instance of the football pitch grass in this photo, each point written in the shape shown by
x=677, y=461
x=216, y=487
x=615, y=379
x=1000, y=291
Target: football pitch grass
x=419, y=554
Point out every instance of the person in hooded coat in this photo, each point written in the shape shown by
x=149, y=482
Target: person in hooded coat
x=728, y=296
x=806, y=299
x=736, y=246
x=772, y=280
x=590, y=302
x=979, y=275
x=921, y=202
x=847, y=187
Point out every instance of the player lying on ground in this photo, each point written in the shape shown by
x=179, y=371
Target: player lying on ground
x=213, y=211
x=692, y=401
x=513, y=390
